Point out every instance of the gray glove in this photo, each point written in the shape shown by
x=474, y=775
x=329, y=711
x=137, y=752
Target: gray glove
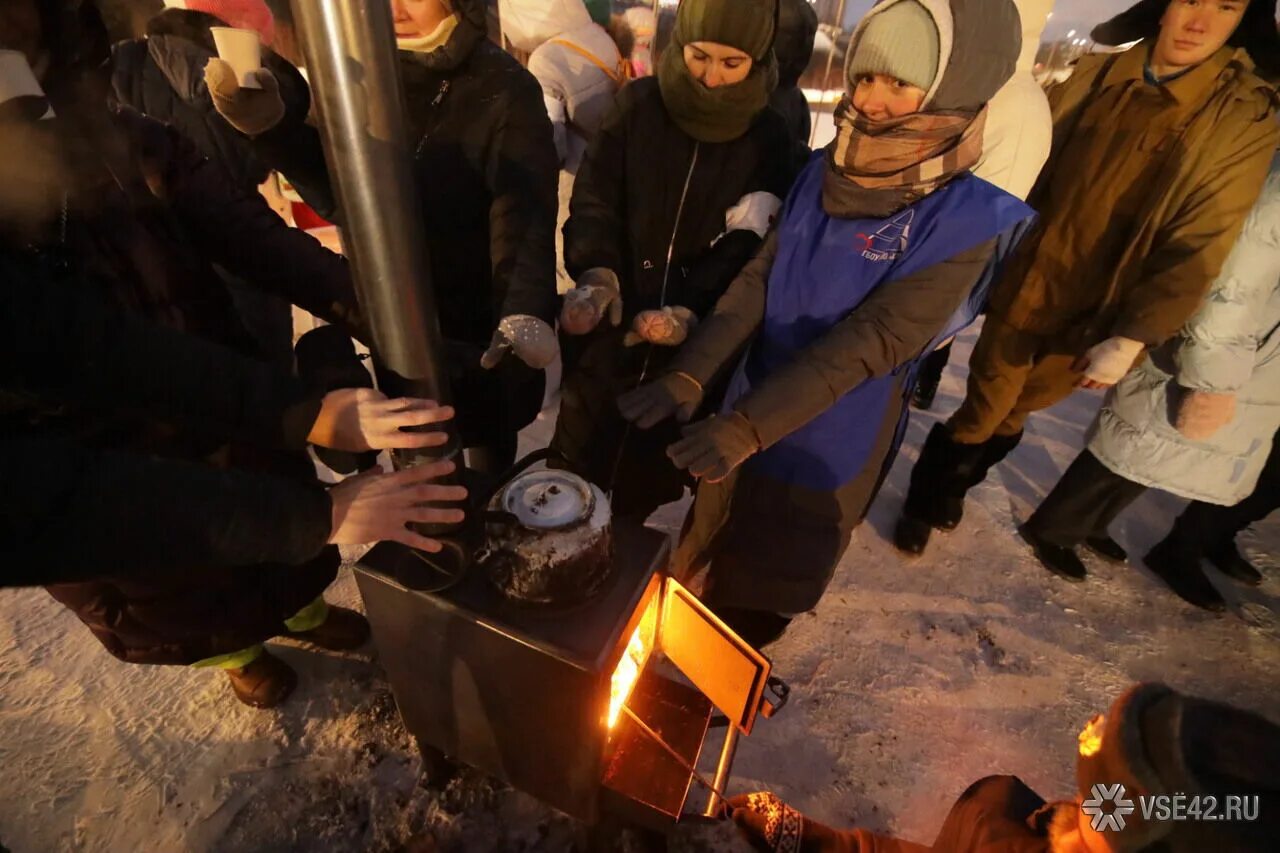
x=668, y=327
x=677, y=394
x=250, y=111
x=711, y=449
x=598, y=291
x=532, y=340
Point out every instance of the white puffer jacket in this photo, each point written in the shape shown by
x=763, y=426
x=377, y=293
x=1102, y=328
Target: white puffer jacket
x=575, y=61
x=1232, y=345
x=1019, y=124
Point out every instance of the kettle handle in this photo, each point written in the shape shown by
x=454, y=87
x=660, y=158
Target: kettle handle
x=490, y=491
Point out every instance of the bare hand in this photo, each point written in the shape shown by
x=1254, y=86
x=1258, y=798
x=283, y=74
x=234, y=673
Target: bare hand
x=378, y=507
x=362, y=419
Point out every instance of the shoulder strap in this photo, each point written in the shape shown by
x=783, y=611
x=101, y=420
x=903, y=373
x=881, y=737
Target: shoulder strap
x=617, y=74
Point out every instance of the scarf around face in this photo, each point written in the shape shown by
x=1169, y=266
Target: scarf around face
x=714, y=115
x=875, y=169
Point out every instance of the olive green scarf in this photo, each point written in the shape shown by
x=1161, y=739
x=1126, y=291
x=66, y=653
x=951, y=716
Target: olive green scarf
x=714, y=115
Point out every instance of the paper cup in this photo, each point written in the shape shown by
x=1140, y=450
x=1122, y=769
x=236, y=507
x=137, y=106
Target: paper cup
x=242, y=50
x=16, y=78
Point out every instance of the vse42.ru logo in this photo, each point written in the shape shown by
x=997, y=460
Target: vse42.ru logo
x=1108, y=806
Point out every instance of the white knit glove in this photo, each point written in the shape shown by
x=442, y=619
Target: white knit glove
x=598, y=291
x=669, y=327
x=532, y=340
x=1107, y=363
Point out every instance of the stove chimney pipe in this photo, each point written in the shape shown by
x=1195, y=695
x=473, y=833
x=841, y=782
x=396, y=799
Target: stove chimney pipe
x=352, y=66
x=350, y=50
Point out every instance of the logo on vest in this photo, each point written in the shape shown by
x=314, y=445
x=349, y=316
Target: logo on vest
x=890, y=241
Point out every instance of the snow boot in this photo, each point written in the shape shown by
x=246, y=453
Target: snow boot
x=341, y=631
x=1179, y=567
x=1228, y=560
x=264, y=683
x=929, y=378
x=1063, y=562
x=940, y=480
x=1108, y=549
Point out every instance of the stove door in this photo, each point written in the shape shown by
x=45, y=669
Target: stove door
x=719, y=663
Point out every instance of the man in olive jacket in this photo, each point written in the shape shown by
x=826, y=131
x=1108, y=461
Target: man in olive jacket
x=1159, y=154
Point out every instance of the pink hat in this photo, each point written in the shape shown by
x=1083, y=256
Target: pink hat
x=242, y=14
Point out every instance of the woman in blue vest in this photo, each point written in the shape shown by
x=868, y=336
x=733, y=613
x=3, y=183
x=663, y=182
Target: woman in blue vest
x=882, y=242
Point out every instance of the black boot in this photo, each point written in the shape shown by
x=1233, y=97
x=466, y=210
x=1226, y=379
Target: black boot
x=929, y=377
x=940, y=480
x=1228, y=560
x=1063, y=562
x=1179, y=567
x=1108, y=549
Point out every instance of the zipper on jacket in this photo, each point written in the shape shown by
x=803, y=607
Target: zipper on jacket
x=675, y=230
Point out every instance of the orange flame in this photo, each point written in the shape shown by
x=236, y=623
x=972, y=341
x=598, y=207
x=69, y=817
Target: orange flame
x=1091, y=738
x=633, y=661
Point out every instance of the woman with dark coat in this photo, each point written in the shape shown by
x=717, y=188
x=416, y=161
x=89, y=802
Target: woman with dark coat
x=884, y=237
x=676, y=193
x=487, y=172
x=128, y=206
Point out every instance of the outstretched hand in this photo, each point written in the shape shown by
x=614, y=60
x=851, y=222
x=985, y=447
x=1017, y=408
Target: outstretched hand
x=362, y=419
x=674, y=394
x=378, y=507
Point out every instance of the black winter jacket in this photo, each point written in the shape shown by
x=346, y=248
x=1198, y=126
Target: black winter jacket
x=487, y=172
x=71, y=512
x=648, y=191
x=162, y=76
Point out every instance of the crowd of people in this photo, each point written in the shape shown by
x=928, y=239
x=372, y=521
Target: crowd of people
x=734, y=314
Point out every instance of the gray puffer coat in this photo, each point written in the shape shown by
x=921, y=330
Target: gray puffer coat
x=1232, y=345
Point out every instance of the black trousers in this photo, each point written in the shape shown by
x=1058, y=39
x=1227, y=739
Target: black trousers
x=932, y=366
x=1083, y=504
x=1209, y=527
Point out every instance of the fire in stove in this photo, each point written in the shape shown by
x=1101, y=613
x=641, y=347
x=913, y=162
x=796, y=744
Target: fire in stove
x=566, y=664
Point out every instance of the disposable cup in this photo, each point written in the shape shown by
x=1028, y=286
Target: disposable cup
x=16, y=78
x=242, y=50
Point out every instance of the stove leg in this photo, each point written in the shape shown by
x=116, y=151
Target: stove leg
x=723, y=769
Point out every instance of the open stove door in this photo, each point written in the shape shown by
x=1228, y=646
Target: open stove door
x=717, y=661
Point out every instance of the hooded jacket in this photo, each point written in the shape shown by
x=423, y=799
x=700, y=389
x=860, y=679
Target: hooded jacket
x=1231, y=346
x=776, y=528
x=162, y=76
x=797, y=28
x=1019, y=128
x=1128, y=246
x=576, y=63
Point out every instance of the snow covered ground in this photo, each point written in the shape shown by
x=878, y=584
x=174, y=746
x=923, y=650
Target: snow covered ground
x=911, y=680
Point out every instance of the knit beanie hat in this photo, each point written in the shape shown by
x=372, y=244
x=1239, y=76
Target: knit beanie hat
x=901, y=42
x=241, y=14
x=1155, y=741
x=747, y=25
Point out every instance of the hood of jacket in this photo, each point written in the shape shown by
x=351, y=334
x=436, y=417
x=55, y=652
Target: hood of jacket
x=472, y=28
x=797, y=28
x=979, y=45
x=181, y=44
x=1035, y=17
x=1257, y=32
x=529, y=24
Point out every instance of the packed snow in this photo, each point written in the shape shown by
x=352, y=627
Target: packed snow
x=910, y=680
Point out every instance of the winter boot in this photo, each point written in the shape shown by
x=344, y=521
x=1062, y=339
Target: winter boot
x=929, y=378
x=1063, y=562
x=327, y=360
x=1228, y=560
x=1108, y=549
x=940, y=480
x=342, y=630
x=1179, y=567
x=264, y=683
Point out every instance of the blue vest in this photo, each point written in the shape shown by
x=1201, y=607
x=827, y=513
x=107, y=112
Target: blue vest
x=824, y=269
